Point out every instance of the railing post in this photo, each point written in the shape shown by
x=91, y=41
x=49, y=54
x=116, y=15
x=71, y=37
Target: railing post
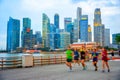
x=33, y=61
x=48, y=59
x=61, y=59
x=41, y=60
x=55, y=59
x=2, y=63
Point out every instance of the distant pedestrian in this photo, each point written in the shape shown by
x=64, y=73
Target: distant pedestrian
x=119, y=52
x=95, y=59
x=69, y=55
x=105, y=60
x=82, y=59
x=76, y=57
x=112, y=53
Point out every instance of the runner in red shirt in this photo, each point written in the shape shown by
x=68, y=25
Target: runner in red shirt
x=104, y=60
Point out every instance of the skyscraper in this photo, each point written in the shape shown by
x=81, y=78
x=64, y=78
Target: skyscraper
x=107, y=37
x=89, y=33
x=66, y=22
x=70, y=30
x=84, y=28
x=79, y=13
x=64, y=40
x=56, y=21
x=75, y=31
x=13, y=34
x=27, y=34
x=38, y=37
x=45, y=29
x=102, y=35
x=50, y=37
x=98, y=28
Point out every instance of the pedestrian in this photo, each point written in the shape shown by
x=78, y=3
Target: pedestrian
x=112, y=53
x=69, y=55
x=105, y=60
x=76, y=57
x=82, y=59
x=95, y=59
x=119, y=52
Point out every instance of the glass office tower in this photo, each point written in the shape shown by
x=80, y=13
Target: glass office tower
x=13, y=34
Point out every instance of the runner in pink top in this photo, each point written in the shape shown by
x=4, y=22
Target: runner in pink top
x=104, y=55
x=104, y=60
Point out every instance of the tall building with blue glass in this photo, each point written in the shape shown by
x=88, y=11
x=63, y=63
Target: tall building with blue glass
x=50, y=36
x=70, y=30
x=57, y=40
x=75, y=31
x=84, y=28
x=45, y=29
x=53, y=38
x=13, y=34
x=27, y=34
x=38, y=37
x=56, y=20
x=67, y=21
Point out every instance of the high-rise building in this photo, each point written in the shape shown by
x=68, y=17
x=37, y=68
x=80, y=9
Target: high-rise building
x=107, y=37
x=102, y=35
x=57, y=40
x=84, y=28
x=89, y=34
x=50, y=36
x=114, y=37
x=51, y=40
x=38, y=37
x=27, y=34
x=64, y=40
x=75, y=31
x=79, y=13
x=70, y=30
x=45, y=29
x=98, y=28
x=13, y=34
x=52, y=28
x=66, y=22
x=56, y=21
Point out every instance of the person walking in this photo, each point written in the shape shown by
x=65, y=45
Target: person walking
x=76, y=57
x=69, y=56
x=95, y=59
x=105, y=60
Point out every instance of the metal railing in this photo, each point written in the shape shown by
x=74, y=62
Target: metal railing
x=10, y=62
x=48, y=60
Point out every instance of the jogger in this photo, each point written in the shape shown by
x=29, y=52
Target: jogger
x=69, y=55
x=95, y=59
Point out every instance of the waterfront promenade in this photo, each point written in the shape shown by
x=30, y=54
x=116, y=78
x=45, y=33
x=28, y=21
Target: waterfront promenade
x=60, y=72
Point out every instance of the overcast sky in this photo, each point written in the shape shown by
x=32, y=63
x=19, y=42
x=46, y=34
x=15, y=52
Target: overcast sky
x=17, y=9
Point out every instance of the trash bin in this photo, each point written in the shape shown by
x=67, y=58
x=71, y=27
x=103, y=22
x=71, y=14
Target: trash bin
x=27, y=60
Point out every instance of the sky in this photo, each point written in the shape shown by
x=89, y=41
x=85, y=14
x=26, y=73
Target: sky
x=19, y=9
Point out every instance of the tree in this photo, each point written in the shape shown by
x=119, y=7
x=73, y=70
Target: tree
x=118, y=40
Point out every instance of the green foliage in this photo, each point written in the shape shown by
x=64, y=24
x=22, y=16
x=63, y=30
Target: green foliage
x=117, y=39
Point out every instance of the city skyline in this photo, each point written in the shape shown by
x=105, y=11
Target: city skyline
x=110, y=12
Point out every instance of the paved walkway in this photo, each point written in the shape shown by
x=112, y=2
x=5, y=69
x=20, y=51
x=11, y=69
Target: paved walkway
x=60, y=72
